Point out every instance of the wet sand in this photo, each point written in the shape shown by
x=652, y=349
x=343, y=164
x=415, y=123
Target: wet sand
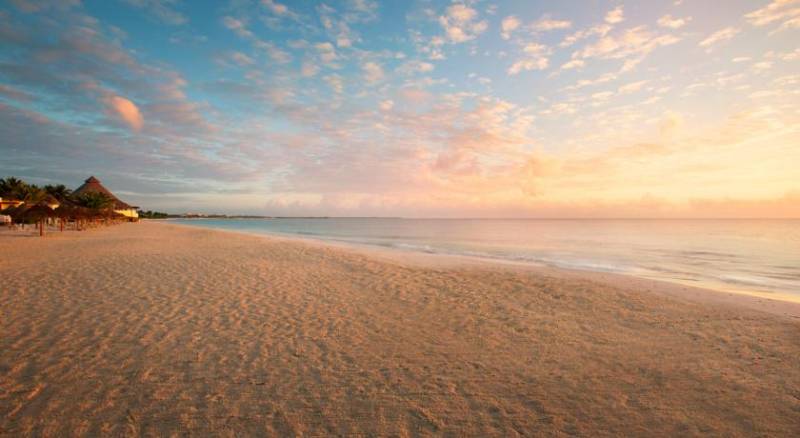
x=156, y=329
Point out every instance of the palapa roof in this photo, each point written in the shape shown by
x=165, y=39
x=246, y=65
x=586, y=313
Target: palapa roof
x=92, y=185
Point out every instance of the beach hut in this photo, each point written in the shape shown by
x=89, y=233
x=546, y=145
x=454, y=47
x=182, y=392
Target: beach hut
x=93, y=185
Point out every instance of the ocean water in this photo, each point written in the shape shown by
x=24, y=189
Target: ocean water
x=736, y=255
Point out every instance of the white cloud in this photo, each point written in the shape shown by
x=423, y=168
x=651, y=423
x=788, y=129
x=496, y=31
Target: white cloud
x=606, y=77
x=415, y=67
x=277, y=54
x=508, y=25
x=241, y=59
x=631, y=88
x=162, y=9
x=327, y=52
x=535, y=59
x=546, y=23
x=635, y=42
x=365, y=7
x=387, y=105
x=539, y=63
x=719, y=36
x=764, y=65
x=373, y=72
x=460, y=23
x=673, y=23
x=309, y=69
x=573, y=63
x=600, y=29
x=602, y=95
x=615, y=16
x=335, y=82
x=776, y=11
x=239, y=27
x=337, y=27
x=275, y=7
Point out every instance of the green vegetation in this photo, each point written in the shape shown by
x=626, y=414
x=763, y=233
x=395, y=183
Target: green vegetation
x=149, y=214
x=12, y=188
x=16, y=189
x=94, y=200
x=60, y=192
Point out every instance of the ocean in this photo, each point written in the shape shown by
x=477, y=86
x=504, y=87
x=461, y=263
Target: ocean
x=748, y=255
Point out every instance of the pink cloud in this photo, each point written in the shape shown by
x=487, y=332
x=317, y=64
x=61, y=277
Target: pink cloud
x=126, y=111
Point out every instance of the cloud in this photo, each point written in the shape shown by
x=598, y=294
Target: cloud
x=327, y=52
x=602, y=95
x=460, y=23
x=632, y=87
x=335, y=82
x=387, y=105
x=718, y=37
x=275, y=53
x=337, y=26
x=615, y=16
x=787, y=11
x=528, y=64
x=415, y=67
x=581, y=83
x=126, y=111
x=373, y=72
x=237, y=26
x=546, y=23
x=635, y=44
x=509, y=25
x=673, y=23
x=535, y=58
x=241, y=59
x=601, y=30
x=268, y=137
x=309, y=69
x=14, y=94
x=275, y=7
x=573, y=63
x=161, y=9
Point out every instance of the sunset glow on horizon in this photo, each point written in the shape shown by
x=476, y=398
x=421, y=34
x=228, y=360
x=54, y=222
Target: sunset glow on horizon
x=422, y=108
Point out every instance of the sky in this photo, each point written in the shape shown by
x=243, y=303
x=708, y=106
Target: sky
x=419, y=108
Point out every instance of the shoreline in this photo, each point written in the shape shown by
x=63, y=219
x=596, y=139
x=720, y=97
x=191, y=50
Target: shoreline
x=771, y=302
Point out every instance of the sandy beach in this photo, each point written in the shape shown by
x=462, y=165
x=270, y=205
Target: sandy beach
x=156, y=329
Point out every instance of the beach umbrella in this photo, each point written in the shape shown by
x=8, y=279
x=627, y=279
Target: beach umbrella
x=64, y=212
x=15, y=212
x=20, y=214
x=38, y=213
x=80, y=214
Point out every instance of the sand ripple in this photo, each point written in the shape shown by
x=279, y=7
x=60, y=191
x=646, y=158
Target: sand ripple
x=157, y=330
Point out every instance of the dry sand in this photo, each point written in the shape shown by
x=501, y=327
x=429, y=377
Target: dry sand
x=155, y=329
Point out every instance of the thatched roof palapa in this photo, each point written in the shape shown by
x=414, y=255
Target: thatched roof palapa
x=92, y=185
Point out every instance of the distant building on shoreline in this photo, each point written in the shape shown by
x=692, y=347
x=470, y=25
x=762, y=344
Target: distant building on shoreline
x=92, y=185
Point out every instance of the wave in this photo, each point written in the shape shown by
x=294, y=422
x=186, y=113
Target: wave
x=765, y=266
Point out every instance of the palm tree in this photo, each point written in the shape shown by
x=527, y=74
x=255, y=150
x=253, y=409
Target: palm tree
x=59, y=191
x=33, y=194
x=95, y=201
x=13, y=188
